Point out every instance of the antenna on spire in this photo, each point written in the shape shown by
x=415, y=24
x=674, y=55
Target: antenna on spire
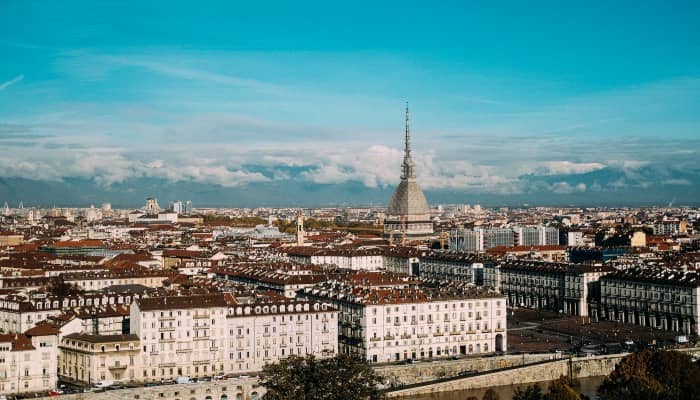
x=407, y=161
x=408, y=133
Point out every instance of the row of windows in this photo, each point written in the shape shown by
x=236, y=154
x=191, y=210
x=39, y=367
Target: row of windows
x=444, y=306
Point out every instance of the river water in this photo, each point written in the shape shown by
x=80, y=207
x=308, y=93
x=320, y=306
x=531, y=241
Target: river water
x=587, y=386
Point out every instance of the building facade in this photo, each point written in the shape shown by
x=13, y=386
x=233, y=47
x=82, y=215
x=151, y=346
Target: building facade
x=392, y=325
x=28, y=361
x=567, y=288
x=657, y=298
x=88, y=359
x=205, y=335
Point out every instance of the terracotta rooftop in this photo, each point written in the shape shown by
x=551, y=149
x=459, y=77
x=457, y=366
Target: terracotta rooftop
x=101, y=338
x=177, y=302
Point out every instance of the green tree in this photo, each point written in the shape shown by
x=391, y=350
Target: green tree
x=561, y=390
x=531, y=392
x=652, y=375
x=308, y=378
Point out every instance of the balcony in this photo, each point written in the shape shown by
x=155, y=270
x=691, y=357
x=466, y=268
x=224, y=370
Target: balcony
x=117, y=367
x=166, y=365
x=181, y=351
x=375, y=339
x=406, y=336
x=438, y=334
x=388, y=337
x=422, y=335
x=201, y=316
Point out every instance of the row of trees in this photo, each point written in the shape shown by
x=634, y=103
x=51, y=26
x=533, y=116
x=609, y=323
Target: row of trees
x=316, y=224
x=648, y=375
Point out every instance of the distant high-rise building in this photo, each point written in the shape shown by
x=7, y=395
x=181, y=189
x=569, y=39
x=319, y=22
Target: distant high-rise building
x=497, y=237
x=408, y=216
x=528, y=236
x=6, y=210
x=177, y=207
x=188, y=207
x=574, y=239
x=482, y=239
x=548, y=235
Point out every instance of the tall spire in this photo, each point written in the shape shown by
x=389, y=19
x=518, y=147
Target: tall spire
x=407, y=161
x=408, y=134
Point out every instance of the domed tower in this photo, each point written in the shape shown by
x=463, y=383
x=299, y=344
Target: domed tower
x=408, y=216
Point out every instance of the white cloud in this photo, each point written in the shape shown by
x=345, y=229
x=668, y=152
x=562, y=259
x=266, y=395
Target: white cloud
x=12, y=81
x=566, y=188
x=682, y=182
x=566, y=168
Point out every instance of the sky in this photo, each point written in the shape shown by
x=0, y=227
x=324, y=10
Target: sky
x=519, y=101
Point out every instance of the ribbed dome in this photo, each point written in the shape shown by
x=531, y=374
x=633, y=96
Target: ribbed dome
x=408, y=199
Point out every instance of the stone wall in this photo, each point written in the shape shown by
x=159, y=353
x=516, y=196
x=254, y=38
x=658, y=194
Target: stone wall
x=230, y=389
x=430, y=371
x=545, y=371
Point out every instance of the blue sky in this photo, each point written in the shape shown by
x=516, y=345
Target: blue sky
x=235, y=93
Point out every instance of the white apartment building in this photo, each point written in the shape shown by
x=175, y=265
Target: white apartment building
x=101, y=280
x=19, y=313
x=403, y=260
x=88, y=359
x=28, y=361
x=389, y=325
x=207, y=334
x=368, y=259
x=575, y=239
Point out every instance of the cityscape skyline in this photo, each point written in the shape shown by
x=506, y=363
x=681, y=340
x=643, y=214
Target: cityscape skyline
x=244, y=106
